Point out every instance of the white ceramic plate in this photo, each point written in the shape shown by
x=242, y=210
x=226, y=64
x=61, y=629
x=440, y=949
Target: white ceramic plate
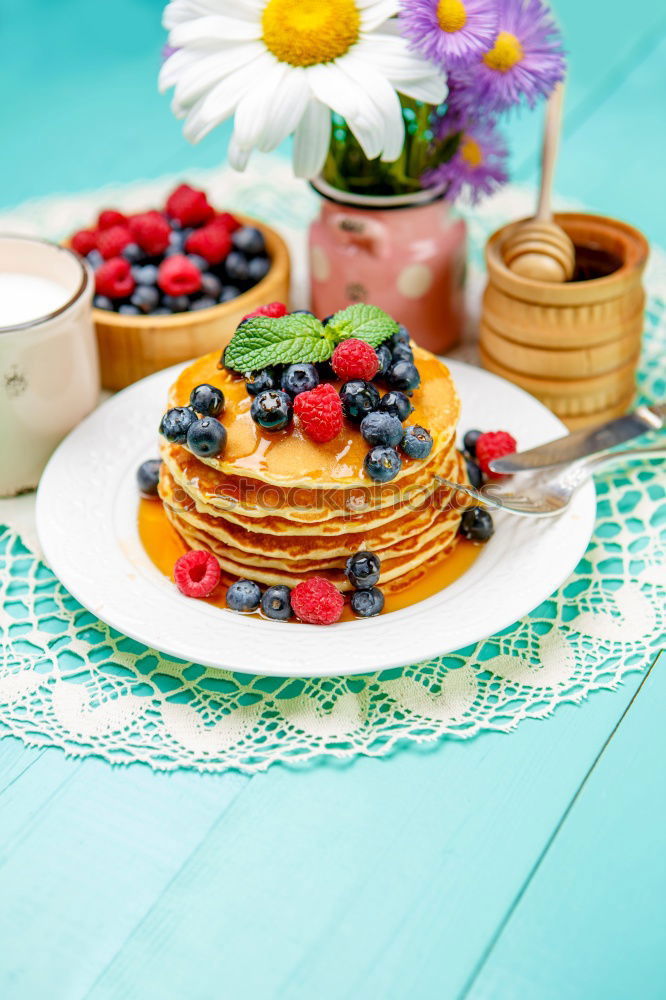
x=87, y=524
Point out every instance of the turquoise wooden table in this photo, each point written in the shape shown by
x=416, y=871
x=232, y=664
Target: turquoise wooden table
x=527, y=865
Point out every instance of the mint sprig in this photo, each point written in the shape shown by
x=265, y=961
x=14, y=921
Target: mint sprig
x=263, y=341
x=369, y=323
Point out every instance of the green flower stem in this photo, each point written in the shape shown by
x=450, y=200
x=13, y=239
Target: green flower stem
x=348, y=170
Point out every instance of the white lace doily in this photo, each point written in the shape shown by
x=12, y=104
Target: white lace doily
x=67, y=680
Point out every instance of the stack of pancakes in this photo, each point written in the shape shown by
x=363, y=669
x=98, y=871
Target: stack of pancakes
x=279, y=508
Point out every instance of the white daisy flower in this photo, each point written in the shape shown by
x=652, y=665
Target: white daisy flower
x=281, y=67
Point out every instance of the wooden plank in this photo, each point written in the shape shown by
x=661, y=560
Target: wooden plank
x=85, y=849
x=591, y=922
x=15, y=759
x=381, y=879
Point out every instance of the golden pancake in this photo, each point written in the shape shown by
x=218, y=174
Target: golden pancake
x=289, y=458
x=376, y=535
x=279, y=508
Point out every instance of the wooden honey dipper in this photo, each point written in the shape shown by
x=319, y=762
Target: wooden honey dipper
x=538, y=248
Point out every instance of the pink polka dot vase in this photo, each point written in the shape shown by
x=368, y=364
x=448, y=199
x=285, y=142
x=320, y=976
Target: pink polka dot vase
x=404, y=253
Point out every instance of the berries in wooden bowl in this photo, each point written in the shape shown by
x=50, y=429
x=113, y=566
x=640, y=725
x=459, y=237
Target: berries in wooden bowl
x=174, y=283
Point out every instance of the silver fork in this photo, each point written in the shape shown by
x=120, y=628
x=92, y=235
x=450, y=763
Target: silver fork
x=548, y=492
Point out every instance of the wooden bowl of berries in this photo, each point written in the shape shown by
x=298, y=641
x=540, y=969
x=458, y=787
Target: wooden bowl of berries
x=175, y=283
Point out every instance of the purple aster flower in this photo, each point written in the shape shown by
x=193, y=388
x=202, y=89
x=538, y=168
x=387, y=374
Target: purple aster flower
x=449, y=32
x=478, y=166
x=167, y=51
x=526, y=60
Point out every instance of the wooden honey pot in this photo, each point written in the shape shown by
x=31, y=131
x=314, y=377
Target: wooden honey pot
x=574, y=345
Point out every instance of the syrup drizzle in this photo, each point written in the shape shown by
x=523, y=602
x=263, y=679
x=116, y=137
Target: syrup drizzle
x=164, y=546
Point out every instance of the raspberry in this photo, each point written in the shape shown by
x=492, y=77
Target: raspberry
x=111, y=242
x=109, y=218
x=355, y=359
x=197, y=573
x=493, y=444
x=179, y=276
x=212, y=242
x=273, y=310
x=317, y=602
x=230, y=222
x=189, y=206
x=114, y=279
x=320, y=412
x=151, y=231
x=84, y=241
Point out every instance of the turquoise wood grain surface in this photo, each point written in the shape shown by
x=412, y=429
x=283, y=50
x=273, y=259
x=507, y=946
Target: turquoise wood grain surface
x=505, y=866
x=573, y=933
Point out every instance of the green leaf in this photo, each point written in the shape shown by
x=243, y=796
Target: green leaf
x=369, y=323
x=262, y=341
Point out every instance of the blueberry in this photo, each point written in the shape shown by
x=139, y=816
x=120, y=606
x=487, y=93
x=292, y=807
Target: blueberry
x=469, y=442
x=416, y=442
x=248, y=240
x=400, y=337
x=236, y=266
x=403, y=352
x=384, y=356
x=474, y=473
x=177, y=238
x=299, y=378
x=244, y=595
x=95, y=259
x=276, y=603
x=145, y=298
x=211, y=285
x=205, y=302
x=358, y=398
x=127, y=309
x=176, y=303
x=207, y=400
x=206, y=437
x=229, y=292
x=362, y=569
x=396, y=403
x=199, y=262
x=367, y=603
x=145, y=274
x=272, y=409
x=102, y=302
x=302, y=312
x=258, y=268
x=133, y=253
x=161, y=312
x=327, y=319
x=176, y=423
x=381, y=428
x=175, y=224
x=148, y=475
x=403, y=375
x=476, y=524
x=382, y=464
x=258, y=381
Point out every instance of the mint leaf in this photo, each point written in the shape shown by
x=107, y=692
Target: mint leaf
x=369, y=323
x=262, y=341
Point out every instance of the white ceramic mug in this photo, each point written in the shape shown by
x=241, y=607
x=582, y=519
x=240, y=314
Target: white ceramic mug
x=49, y=372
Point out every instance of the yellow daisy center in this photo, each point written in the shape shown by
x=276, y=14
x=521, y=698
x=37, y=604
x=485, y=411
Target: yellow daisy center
x=451, y=15
x=506, y=52
x=471, y=152
x=307, y=32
